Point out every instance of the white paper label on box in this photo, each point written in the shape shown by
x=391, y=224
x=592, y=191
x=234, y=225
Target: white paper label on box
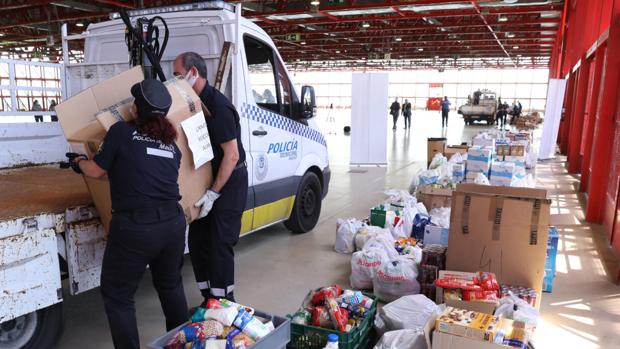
x=198, y=140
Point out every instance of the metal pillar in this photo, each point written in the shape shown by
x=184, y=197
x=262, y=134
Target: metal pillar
x=605, y=124
x=588, y=133
x=577, y=117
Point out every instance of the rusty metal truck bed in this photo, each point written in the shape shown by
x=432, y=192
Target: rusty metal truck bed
x=42, y=189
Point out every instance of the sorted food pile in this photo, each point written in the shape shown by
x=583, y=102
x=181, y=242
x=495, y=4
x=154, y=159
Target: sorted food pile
x=221, y=324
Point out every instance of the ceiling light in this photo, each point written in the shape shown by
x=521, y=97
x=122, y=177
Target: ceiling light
x=303, y=42
x=2, y=34
x=515, y=47
x=398, y=39
x=502, y=19
x=337, y=51
x=518, y=55
x=510, y=35
x=315, y=3
x=420, y=49
x=79, y=24
x=366, y=25
x=436, y=56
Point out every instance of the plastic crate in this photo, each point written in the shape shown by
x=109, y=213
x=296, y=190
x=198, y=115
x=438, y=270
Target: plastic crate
x=277, y=339
x=312, y=337
x=552, y=249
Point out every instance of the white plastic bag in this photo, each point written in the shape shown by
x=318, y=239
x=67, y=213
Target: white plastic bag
x=408, y=312
x=456, y=159
x=366, y=232
x=345, y=235
x=402, y=339
x=408, y=216
x=429, y=176
x=524, y=312
x=415, y=181
x=413, y=252
x=440, y=216
x=395, y=279
x=437, y=161
x=481, y=179
x=364, y=265
x=384, y=243
x=400, y=198
x=398, y=230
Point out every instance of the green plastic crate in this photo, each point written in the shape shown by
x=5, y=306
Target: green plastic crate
x=312, y=337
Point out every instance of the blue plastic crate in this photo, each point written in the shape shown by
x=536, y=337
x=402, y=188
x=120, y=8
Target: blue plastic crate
x=548, y=280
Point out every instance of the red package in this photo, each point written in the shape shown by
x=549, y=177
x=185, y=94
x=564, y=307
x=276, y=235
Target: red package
x=321, y=318
x=463, y=284
x=338, y=319
x=480, y=296
x=345, y=315
x=213, y=304
x=487, y=281
x=331, y=291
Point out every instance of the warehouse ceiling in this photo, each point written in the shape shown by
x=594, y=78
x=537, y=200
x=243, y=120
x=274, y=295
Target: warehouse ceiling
x=336, y=34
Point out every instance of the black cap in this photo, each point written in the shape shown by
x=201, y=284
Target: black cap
x=152, y=98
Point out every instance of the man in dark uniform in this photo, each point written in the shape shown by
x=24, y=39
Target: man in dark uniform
x=213, y=236
x=407, y=113
x=394, y=110
x=148, y=225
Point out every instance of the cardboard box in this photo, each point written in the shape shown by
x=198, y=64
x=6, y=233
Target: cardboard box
x=454, y=149
x=519, y=162
x=86, y=116
x=502, y=173
x=517, y=150
x=458, y=172
x=436, y=235
x=471, y=324
x=502, y=230
x=479, y=159
x=484, y=142
x=434, y=197
x=433, y=146
x=487, y=307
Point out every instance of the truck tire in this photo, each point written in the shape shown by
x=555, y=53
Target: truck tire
x=307, y=207
x=39, y=329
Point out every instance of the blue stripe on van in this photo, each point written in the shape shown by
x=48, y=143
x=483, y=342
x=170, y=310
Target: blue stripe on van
x=263, y=116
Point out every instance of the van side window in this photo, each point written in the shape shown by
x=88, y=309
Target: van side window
x=261, y=70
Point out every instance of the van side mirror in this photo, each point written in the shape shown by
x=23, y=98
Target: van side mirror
x=308, y=102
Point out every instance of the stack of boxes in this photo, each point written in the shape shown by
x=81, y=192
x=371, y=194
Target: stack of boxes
x=502, y=173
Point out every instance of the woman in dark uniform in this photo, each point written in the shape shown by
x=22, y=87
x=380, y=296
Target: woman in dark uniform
x=148, y=225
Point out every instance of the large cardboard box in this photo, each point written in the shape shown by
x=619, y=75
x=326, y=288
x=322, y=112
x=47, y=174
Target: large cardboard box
x=502, y=230
x=434, y=197
x=86, y=117
x=454, y=149
x=434, y=146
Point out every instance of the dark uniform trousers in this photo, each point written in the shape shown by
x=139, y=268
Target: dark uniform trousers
x=444, y=117
x=212, y=239
x=154, y=237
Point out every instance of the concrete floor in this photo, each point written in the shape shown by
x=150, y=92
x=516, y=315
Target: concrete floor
x=275, y=268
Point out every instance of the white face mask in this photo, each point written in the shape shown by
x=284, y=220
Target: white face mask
x=191, y=79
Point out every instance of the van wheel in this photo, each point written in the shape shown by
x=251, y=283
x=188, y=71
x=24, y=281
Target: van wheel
x=307, y=208
x=39, y=329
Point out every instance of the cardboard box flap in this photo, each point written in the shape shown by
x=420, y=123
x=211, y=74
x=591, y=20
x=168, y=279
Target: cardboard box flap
x=503, y=191
x=79, y=110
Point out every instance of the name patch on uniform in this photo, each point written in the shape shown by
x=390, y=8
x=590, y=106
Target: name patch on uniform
x=160, y=153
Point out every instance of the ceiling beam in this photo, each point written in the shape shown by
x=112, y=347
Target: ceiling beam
x=25, y=4
x=120, y=4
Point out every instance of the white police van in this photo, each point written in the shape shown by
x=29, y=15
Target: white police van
x=286, y=156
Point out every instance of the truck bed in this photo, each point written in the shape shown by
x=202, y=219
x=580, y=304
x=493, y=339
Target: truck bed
x=43, y=189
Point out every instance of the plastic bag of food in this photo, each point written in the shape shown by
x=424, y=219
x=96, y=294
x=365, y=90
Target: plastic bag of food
x=440, y=216
x=456, y=159
x=345, y=235
x=397, y=228
x=412, y=252
x=481, y=179
x=408, y=312
x=364, y=265
x=515, y=308
x=395, y=279
x=366, y=232
x=386, y=244
x=437, y=161
x=401, y=198
x=402, y=339
x=429, y=176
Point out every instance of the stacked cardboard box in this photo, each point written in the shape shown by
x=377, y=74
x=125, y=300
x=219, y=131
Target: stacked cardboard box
x=478, y=161
x=502, y=173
